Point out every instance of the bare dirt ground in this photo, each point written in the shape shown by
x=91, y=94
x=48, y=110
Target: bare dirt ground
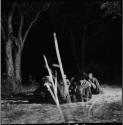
x=102, y=108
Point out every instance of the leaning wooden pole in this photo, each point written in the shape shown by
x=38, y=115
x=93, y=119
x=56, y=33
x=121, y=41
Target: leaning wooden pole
x=54, y=85
x=66, y=92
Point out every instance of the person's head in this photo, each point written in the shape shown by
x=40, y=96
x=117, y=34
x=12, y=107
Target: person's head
x=90, y=75
x=84, y=76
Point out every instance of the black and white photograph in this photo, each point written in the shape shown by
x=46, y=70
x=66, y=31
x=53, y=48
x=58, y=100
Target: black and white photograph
x=61, y=62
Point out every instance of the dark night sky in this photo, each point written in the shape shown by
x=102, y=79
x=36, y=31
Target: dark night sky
x=103, y=51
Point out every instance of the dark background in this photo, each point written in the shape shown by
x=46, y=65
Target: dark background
x=103, y=52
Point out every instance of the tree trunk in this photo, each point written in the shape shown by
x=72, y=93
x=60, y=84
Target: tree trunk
x=18, y=66
x=10, y=67
x=9, y=59
x=13, y=68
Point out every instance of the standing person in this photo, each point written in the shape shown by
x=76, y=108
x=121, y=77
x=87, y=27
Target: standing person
x=95, y=86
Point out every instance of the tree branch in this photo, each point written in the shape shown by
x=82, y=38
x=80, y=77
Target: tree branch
x=20, y=28
x=10, y=29
x=26, y=33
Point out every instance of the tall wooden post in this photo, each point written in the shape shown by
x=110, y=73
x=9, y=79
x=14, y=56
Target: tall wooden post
x=66, y=92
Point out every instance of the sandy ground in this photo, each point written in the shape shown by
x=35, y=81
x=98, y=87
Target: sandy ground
x=102, y=108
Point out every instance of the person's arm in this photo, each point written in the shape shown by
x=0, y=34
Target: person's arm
x=92, y=84
x=97, y=83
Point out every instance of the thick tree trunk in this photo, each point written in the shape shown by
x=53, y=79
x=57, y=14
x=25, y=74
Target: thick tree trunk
x=18, y=66
x=13, y=68
x=9, y=59
x=10, y=67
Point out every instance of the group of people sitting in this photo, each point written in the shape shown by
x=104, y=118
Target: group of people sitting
x=82, y=90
